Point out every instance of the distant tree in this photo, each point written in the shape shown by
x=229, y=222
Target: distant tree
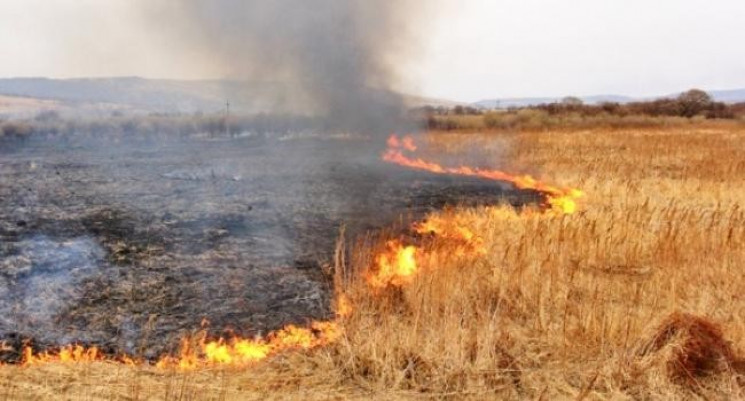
x=655, y=108
x=693, y=102
x=610, y=107
x=18, y=129
x=720, y=110
x=459, y=110
x=738, y=109
x=47, y=116
x=572, y=101
x=427, y=110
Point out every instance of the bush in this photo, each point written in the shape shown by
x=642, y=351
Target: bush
x=16, y=129
x=694, y=102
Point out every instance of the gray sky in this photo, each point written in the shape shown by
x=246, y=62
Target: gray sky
x=473, y=49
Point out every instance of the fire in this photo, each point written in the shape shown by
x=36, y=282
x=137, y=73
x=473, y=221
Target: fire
x=242, y=352
x=203, y=353
x=558, y=199
x=394, y=267
x=66, y=354
x=406, y=142
x=451, y=228
x=343, y=306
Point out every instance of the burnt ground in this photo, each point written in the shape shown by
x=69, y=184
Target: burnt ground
x=131, y=244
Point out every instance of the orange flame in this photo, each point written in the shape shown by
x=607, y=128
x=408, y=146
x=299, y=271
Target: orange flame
x=406, y=142
x=394, y=267
x=202, y=353
x=343, y=306
x=558, y=199
x=66, y=354
x=448, y=227
x=241, y=352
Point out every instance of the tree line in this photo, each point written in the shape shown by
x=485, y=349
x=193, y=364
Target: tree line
x=692, y=103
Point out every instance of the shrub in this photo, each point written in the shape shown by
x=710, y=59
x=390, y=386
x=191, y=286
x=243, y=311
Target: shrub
x=16, y=129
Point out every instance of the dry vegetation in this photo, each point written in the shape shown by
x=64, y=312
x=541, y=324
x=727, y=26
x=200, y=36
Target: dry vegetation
x=540, y=119
x=691, y=106
x=25, y=105
x=638, y=296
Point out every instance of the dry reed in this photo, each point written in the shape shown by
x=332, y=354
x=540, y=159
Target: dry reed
x=607, y=303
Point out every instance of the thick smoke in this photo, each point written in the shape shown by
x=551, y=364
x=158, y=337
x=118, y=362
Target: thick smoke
x=339, y=59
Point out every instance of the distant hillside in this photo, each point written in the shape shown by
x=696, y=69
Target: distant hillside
x=103, y=96
x=147, y=95
x=133, y=95
x=727, y=96
x=531, y=101
x=14, y=105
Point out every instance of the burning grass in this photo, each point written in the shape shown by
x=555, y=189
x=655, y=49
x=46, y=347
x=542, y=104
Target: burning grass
x=636, y=295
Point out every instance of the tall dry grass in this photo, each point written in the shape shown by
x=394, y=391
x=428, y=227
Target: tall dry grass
x=559, y=307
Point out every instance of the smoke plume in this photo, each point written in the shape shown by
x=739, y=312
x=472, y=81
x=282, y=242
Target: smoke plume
x=339, y=59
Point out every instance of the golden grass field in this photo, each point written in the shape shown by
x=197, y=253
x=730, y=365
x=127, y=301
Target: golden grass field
x=638, y=295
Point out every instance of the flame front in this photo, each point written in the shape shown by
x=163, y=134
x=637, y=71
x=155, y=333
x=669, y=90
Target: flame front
x=396, y=266
x=558, y=199
x=66, y=354
x=451, y=228
x=241, y=352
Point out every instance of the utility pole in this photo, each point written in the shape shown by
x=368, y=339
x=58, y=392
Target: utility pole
x=227, y=118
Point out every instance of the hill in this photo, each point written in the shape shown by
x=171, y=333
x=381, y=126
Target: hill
x=140, y=95
x=727, y=96
x=133, y=94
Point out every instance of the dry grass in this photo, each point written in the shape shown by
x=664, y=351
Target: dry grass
x=639, y=296
x=26, y=105
x=531, y=119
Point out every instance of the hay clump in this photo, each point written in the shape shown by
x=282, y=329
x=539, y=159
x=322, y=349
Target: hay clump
x=691, y=347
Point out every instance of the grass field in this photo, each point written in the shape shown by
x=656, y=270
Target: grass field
x=638, y=295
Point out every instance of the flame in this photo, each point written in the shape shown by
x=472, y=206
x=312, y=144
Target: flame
x=406, y=142
x=241, y=352
x=203, y=353
x=394, y=267
x=558, y=199
x=67, y=354
x=343, y=306
x=455, y=230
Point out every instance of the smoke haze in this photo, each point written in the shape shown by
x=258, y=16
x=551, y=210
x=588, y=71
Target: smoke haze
x=335, y=58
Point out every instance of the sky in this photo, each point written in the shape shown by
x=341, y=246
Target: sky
x=470, y=50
